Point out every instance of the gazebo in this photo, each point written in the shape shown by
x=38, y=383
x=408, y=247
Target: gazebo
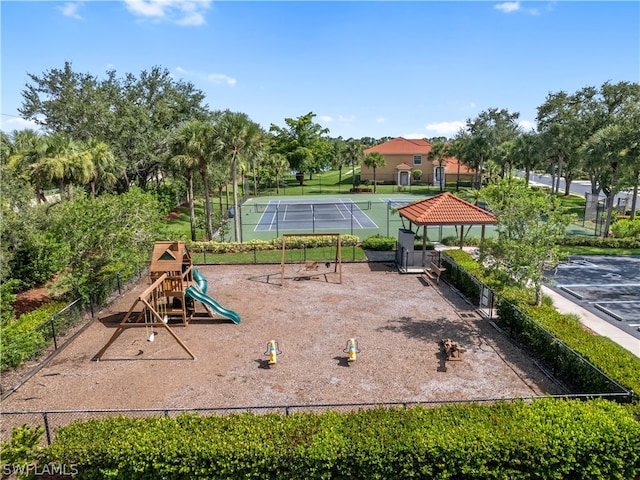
x=445, y=209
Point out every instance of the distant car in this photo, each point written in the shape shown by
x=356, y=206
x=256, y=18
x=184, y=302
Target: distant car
x=232, y=212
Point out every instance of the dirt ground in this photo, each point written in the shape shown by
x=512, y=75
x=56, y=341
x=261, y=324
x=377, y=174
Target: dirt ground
x=397, y=319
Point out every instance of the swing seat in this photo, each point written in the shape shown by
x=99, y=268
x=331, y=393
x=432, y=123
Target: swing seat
x=311, y=266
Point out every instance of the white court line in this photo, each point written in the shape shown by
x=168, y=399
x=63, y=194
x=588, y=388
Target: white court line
x=616, y=285
x=614, y=301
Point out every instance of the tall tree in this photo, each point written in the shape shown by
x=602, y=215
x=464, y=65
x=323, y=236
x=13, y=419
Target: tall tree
x=374, y=160
x=132, y=115
x=303, y=142
x=239, y=139
x=529, y=224
x=490, y=129
x=192, y=148
x=438, y=154
x=355, y=155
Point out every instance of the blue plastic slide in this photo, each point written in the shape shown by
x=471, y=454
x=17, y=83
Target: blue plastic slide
x=200, y=294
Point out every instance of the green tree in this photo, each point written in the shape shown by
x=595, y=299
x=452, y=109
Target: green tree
x=355, y=155
x=439, y=152
x=133, y=115
x=99, y=237
x=106, y=168
x=26, y=150
x=374, y=160
x=489, y=130
x=530, y=222
x=303, y=143
x=192, y=147
x=239, y=139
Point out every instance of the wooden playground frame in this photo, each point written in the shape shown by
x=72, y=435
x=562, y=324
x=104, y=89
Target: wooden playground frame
x=153, y=315
x=311, y=268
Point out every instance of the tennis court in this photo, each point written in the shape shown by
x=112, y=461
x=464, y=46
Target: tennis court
x=292, y=215
x=608, y=286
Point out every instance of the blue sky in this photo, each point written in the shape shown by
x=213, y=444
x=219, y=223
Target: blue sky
x=383, y=68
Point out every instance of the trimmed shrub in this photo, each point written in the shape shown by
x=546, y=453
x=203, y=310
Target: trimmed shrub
x=545, y=439
x=379, y=243
x=22, y=339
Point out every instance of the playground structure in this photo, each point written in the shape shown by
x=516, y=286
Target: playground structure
x=273, y=350
x=308, y=269
x=452, y=349
x=170, y=299
x=352, y=349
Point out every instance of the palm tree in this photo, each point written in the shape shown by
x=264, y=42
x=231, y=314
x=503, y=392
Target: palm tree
x=374, y=160
x=195, y=140
x=64, y=162
x=438, y=153
x=355, y=154
x=238, y=139
x=186, y=146
x=106, y=169
x=27, y=148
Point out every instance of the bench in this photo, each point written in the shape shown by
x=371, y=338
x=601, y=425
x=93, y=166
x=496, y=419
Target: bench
x=434, y=272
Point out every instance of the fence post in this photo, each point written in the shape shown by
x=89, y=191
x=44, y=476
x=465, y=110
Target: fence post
x=53, y=333
x=255, y=255
x=46, y=427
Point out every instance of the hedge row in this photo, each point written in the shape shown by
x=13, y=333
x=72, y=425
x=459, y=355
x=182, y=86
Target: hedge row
x=22, y=340
x=617, y=362
x=545, y=439
x=589, y=241
x=273, y=244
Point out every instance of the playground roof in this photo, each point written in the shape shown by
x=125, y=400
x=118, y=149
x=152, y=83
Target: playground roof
x=168, y=256
x=446, y=209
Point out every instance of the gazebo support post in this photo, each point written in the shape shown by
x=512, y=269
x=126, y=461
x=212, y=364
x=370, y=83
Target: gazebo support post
x=462, y=236
x=424, y=246
x=482, y=234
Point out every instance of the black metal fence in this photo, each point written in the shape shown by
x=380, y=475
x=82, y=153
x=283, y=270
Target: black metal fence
x=552, y=355
x=61, y=327
x=52, y=420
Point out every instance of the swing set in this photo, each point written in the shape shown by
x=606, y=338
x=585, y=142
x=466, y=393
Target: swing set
x=304, y=269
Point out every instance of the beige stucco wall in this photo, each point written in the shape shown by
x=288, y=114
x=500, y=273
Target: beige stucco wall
x=388, y=173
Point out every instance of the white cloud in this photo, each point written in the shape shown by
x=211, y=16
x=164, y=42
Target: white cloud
x=507, y=7
x=380, y=120
x=413, y=136
x=221, y=78
x=526, y=125
x=217, y=78
x=446, y=129
x=349, y=119
x=326, y=118
x=180, y=12
x=9, y=124
x=70, y=10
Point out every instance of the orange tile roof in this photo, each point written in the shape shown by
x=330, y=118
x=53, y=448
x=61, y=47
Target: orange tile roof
x=446, y=209
x=402, y=146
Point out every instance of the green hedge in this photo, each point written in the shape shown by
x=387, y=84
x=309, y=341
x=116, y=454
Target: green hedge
x=22, y=340
x=588, y=241
x=273, y=244
x=545, y=439
x=614, y=360
x=379, y=243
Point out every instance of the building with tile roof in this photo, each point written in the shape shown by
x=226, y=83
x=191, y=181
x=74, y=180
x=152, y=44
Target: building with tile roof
x=405, y=156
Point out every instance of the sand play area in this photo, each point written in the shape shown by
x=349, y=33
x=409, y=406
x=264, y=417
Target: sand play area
x=397, y=319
